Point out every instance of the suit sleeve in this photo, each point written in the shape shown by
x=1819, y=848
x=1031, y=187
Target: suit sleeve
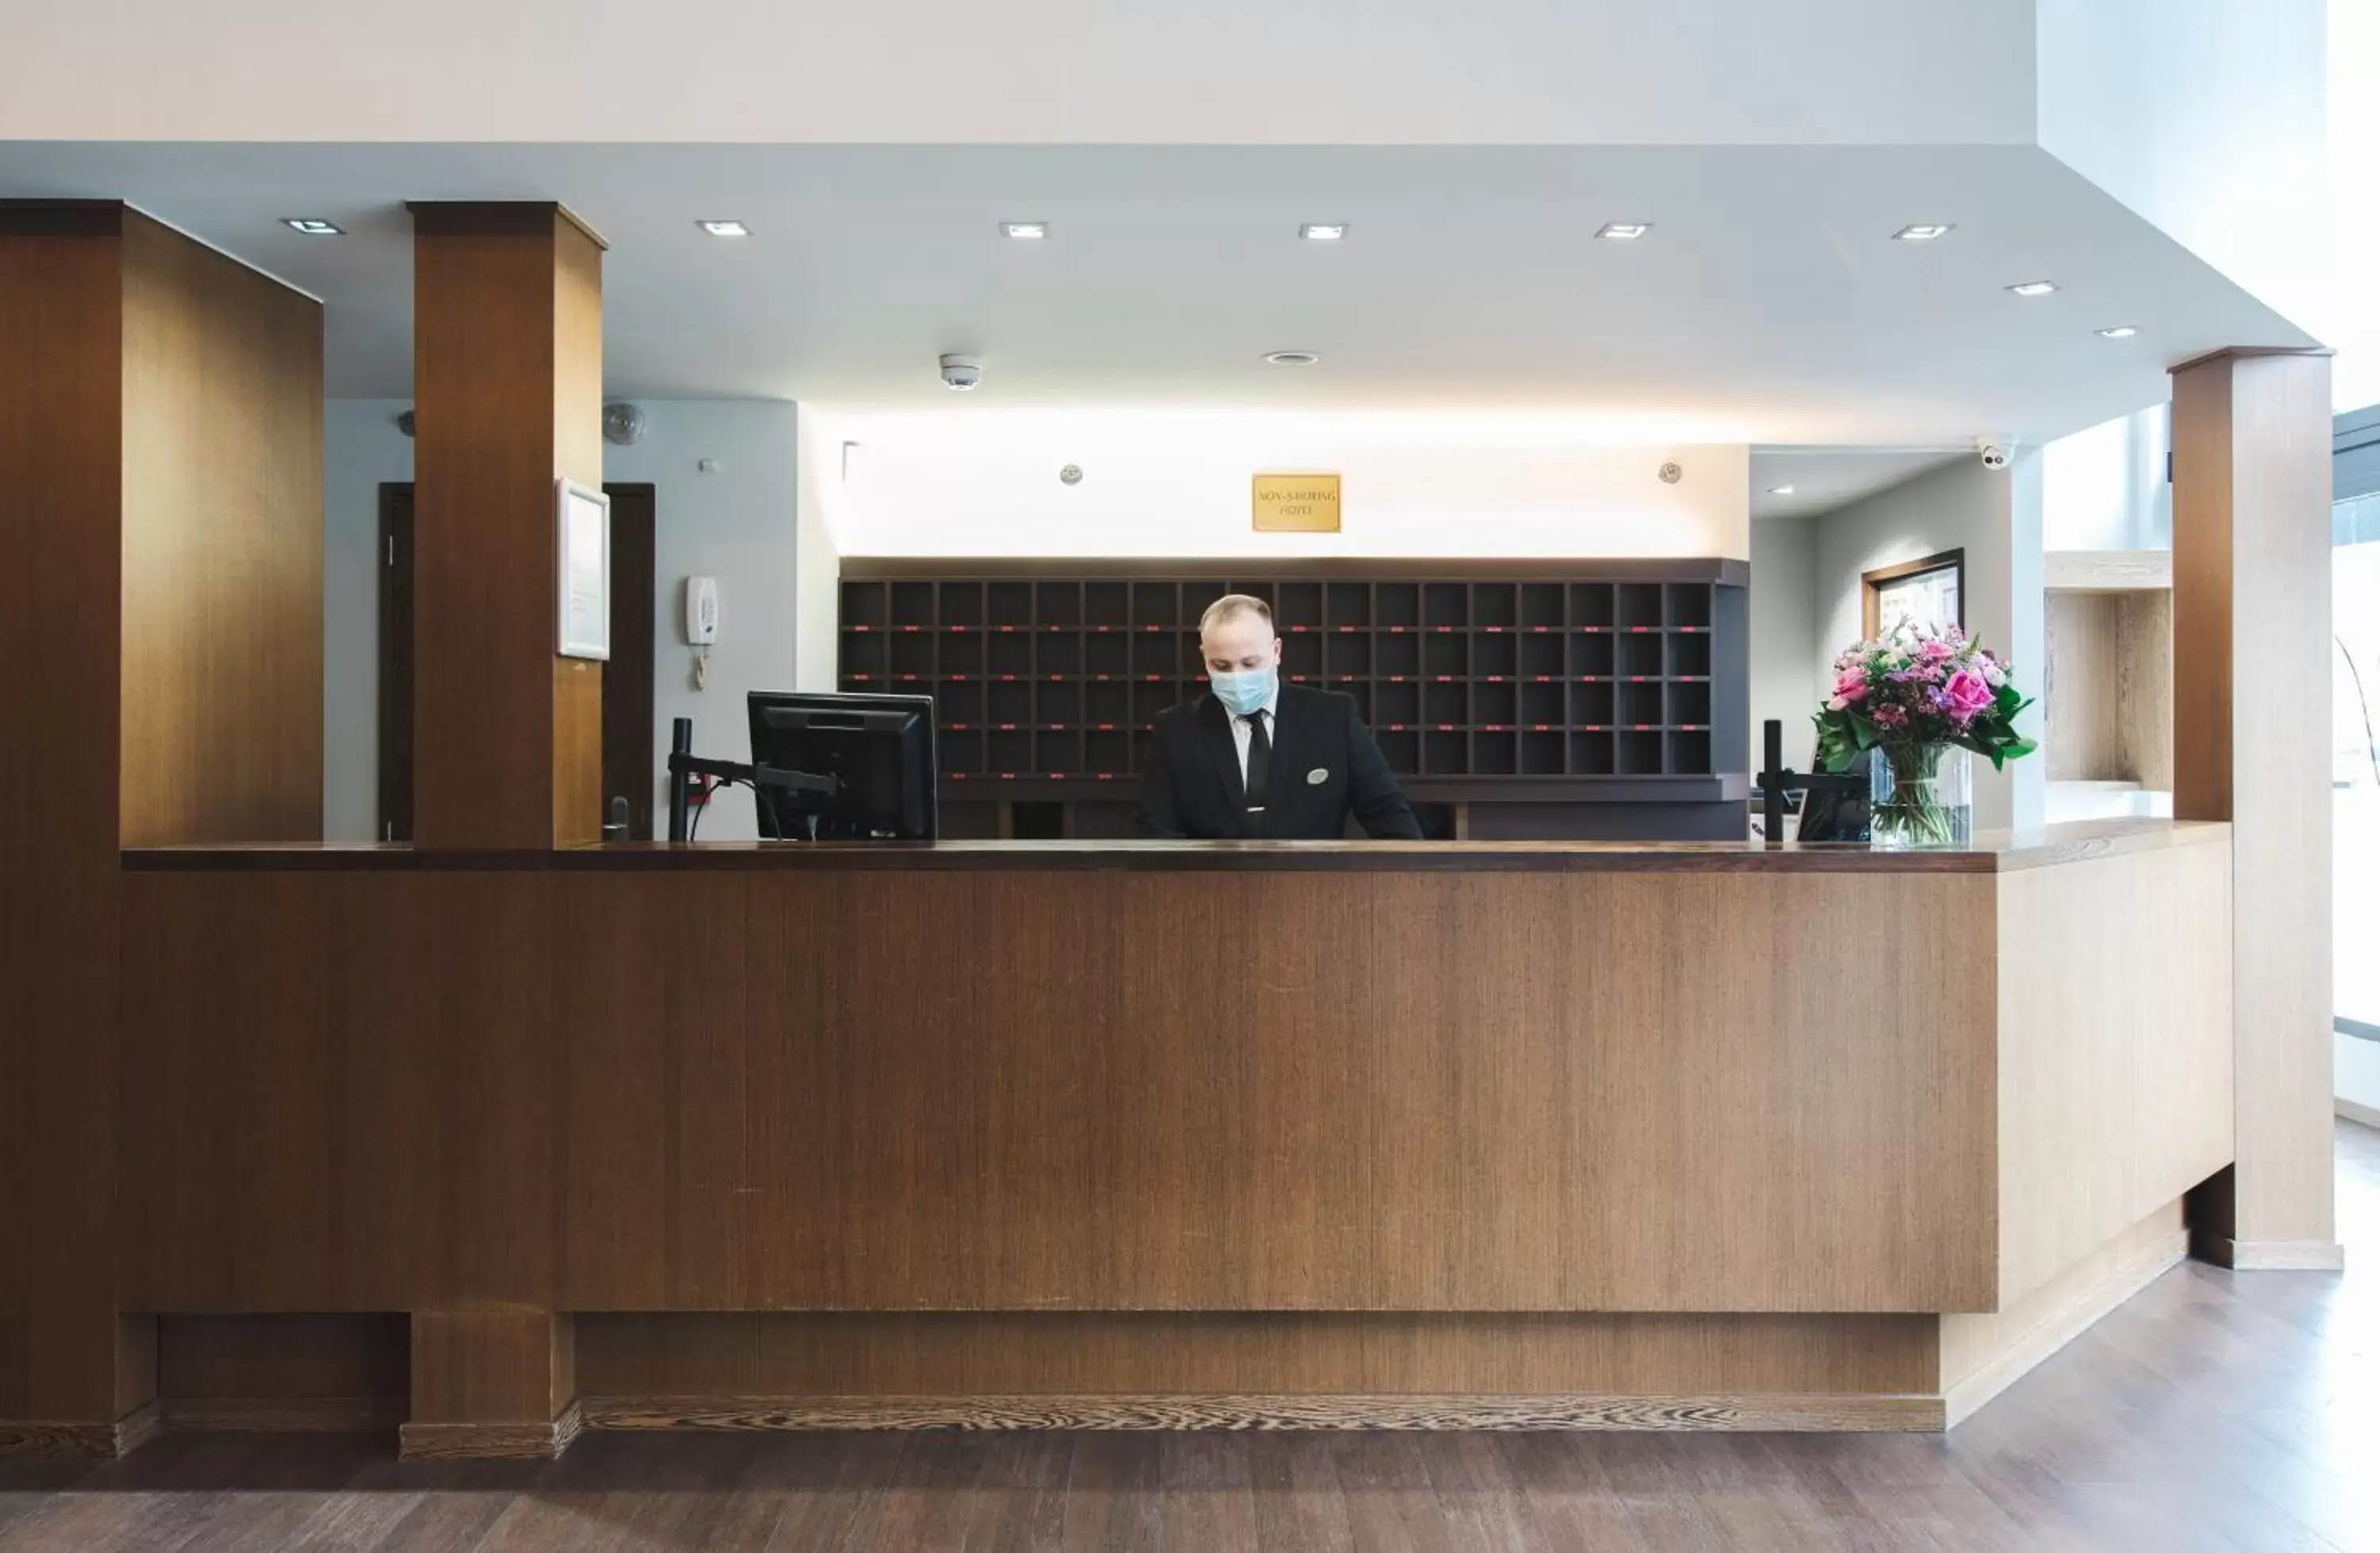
x=1372, y=791
x=1160, y=816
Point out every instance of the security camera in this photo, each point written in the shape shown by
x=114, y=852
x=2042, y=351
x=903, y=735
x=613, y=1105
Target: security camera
x=961, y=372
x=1993, y=451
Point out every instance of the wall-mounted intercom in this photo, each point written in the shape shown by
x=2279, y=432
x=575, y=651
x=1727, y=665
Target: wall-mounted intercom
x=701, y=612
x=701, y=625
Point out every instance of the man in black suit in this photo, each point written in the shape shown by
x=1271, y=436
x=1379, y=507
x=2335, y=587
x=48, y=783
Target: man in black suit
x=1256, y=759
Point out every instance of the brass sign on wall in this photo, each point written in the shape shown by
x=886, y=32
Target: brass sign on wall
x=1297, y=504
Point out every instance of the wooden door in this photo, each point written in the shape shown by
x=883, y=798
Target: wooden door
x=628, y=770
x=396, y=662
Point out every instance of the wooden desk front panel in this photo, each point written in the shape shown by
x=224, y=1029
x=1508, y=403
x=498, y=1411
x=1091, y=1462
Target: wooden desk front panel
x=1039, y=1090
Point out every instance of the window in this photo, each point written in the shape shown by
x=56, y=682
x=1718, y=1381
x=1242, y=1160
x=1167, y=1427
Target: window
x=1929, y=593
x=2355, y=714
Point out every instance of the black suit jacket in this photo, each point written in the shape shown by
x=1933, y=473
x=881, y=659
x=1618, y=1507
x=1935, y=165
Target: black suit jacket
x=1192, y=786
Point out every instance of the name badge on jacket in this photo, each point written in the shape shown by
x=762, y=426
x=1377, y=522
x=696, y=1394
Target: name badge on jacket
x=1317, y=777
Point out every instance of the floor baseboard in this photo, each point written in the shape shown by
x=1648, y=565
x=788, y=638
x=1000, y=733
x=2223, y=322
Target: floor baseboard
x=2061, y=1325
x=1271, y=1412
x=303, y=1416
x=489, y=1442
x=81, y=1442
x=2271, y=1256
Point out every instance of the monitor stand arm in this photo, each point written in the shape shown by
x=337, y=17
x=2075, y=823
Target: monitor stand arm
x=1775, y=781
x=684, y=766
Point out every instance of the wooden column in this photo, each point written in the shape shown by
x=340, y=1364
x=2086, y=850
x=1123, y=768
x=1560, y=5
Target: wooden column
x=161, y=528
x=2252, y=722
x=509, y=388
x=508, y=737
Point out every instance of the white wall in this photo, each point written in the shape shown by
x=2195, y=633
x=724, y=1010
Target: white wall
x=2208, y=118
x=2355, y=61
x=1995, y=518
x=1178, y=485
x=362, y=448
x=1241, y=72
x=2106, y=488
x=1785, y=684
x=818, y=607
x=737, y=524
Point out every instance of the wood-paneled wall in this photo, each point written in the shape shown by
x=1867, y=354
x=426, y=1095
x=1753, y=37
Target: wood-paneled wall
x=223, y=547
x=61, y=530
x=2115, y=1048
x=160, y=681
x=1057, y=1091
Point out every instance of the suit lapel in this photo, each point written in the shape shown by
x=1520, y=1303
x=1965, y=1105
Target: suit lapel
x=1215, y=733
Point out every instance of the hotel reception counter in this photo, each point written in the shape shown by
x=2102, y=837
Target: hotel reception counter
x=1156, y=1135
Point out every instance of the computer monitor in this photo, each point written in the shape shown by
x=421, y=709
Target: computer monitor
x=1834, y=807
x=880, y=747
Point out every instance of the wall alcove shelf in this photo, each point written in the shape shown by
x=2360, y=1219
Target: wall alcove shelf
x=2109, y=694
x=1535, y=689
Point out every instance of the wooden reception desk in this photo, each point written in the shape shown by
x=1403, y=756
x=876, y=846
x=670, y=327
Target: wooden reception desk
x=1107, y=1133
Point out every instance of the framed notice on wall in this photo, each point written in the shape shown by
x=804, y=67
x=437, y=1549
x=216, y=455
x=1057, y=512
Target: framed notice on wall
x=583, y=559
x=1297, y=504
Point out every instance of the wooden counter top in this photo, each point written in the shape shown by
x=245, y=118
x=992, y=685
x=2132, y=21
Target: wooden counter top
x=1997, y=852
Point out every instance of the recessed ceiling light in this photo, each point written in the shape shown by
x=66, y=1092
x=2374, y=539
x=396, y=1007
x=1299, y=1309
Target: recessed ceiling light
x=1292, y=358
x=2120, y=331
x=1323, y=231
x=312, y=227
x=1781, y=490
x=725, y=228
x=1025, y=229
x=1922, y=231
x=2034, y=288
x=1624, y=231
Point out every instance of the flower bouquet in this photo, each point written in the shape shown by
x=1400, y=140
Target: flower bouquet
x=1901, y=700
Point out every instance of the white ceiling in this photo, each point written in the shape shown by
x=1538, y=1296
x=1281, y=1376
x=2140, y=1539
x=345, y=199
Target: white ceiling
x=1768, y=305
x=1825, y=477
x=1040, y=72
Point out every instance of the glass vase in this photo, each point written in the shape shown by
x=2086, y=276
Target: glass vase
x=1921, y=795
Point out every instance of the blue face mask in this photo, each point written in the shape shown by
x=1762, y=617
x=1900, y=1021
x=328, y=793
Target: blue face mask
x=1244, y=691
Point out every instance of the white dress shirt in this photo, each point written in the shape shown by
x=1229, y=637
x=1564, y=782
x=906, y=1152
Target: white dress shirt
x=1243, y=735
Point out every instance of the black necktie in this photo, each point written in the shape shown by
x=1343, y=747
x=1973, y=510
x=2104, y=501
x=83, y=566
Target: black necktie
x=1259, y=759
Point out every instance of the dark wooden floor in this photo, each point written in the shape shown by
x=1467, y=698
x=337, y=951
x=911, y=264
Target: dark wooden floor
x=2215, y=1411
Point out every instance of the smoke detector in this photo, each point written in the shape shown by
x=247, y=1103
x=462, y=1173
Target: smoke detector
x=624, y=424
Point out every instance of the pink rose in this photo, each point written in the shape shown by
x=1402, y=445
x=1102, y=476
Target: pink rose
x=1966, y=695
x=1937, y=648
x=1851, y=685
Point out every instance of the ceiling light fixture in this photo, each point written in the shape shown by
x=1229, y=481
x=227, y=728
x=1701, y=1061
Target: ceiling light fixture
x=312, y=226
x=1922, y=231
x=1781, y=490
x=2120, y=331
x=1624, y=231
x=1292, y=358
x=725, y=228
x=1323, y=231
x=1029, y=230
x=2034, y=288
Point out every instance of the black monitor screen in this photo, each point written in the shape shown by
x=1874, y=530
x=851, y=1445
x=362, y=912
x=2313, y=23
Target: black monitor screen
x=880, y=747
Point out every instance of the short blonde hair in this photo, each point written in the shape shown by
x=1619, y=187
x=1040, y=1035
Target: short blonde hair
x=1231, y=604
